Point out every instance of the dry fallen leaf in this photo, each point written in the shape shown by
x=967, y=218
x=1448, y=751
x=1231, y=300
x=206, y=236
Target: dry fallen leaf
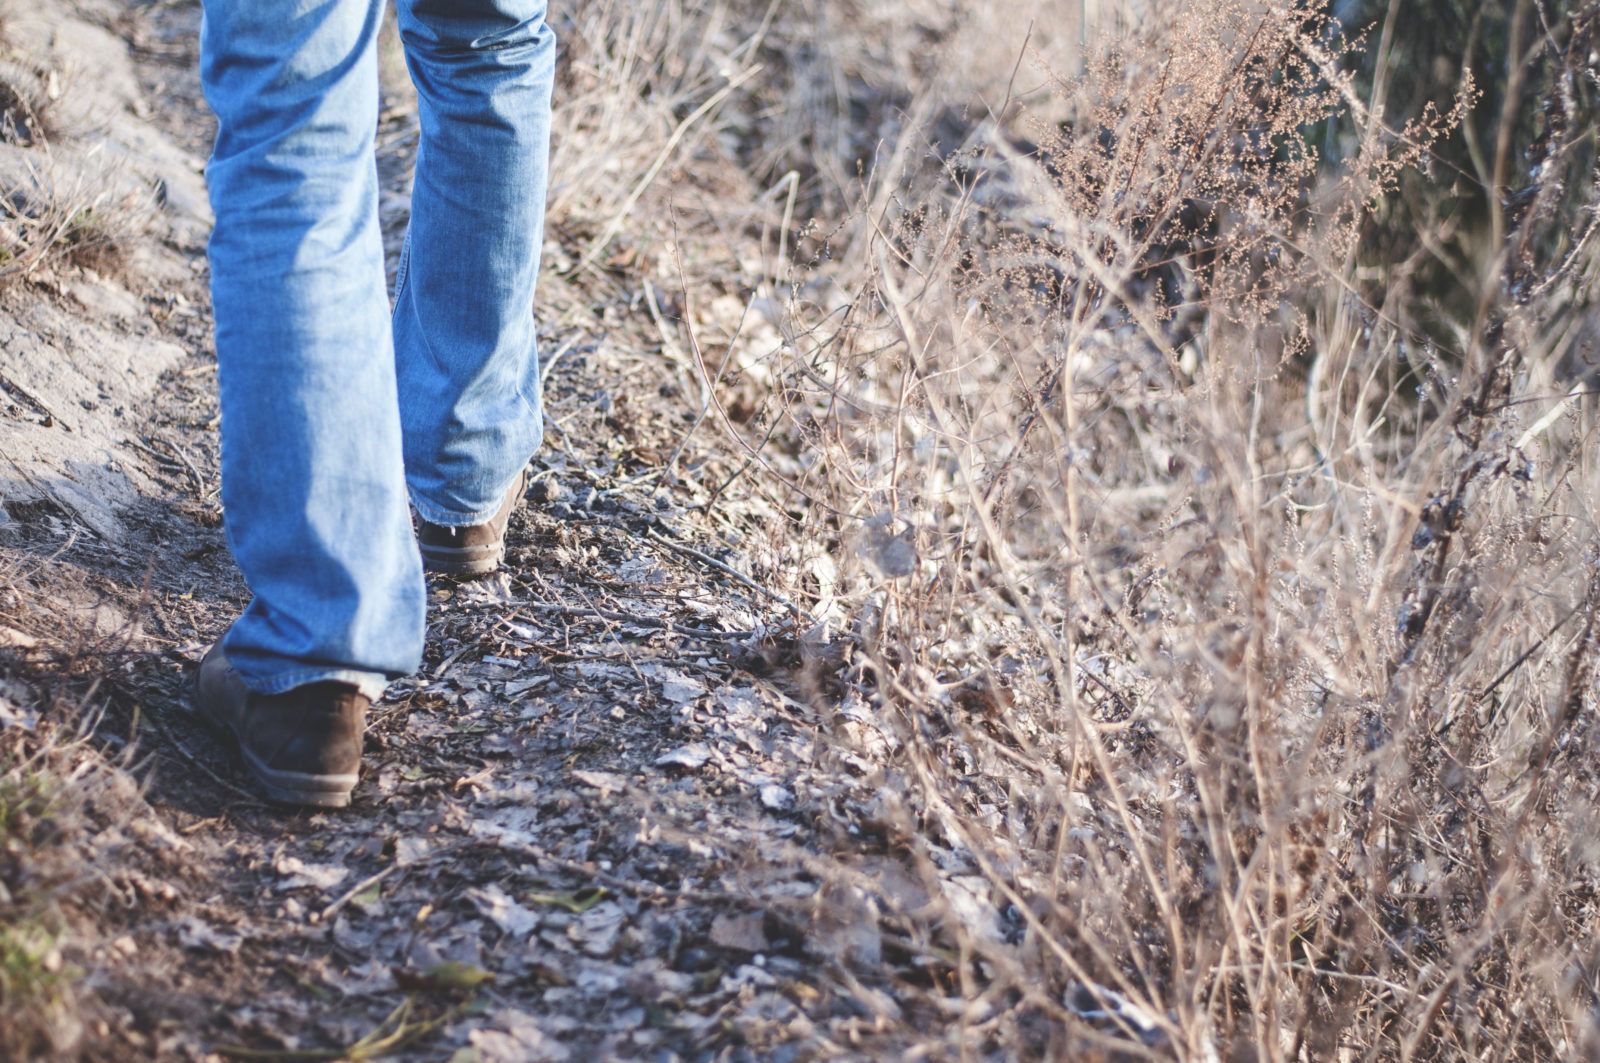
x=596, y=931
x=451, y=976
x=776, y=798
x=497, y=906
x=298, y=874
x=690, y=758
x=203, y=937
x=606, y=782
x=577, y=901
x=743, y=933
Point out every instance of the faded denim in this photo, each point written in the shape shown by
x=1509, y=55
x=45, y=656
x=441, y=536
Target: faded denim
x=337, y=411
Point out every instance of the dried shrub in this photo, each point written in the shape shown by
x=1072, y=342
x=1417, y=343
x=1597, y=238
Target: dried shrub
x=60, y=204
x=26, y=98
x=1227, y=644
x=73, y=213
x=52, y=791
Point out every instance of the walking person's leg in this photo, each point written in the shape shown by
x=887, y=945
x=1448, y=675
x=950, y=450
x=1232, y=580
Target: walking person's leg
x=312, y=472
x=463, y=320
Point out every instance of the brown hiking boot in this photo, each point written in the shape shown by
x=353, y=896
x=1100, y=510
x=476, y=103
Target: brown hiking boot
x=302, y=748
x=475, y=550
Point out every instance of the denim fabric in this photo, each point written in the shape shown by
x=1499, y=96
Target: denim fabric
x=335, y=410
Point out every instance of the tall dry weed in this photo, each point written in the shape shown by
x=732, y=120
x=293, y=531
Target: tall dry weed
x=1226, y=645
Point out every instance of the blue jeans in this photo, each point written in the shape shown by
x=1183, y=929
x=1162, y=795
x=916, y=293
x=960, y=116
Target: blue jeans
x=336, y=410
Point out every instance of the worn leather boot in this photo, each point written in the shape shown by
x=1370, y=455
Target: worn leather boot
x=302, y=747
x=475, y=550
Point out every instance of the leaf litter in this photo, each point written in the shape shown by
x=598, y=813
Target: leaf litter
x=597, y=824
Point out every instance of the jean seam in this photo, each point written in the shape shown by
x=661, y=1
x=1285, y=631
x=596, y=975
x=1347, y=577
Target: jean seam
x=402, y=269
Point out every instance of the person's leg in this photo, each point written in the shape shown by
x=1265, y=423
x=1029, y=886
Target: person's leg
x=312, y=475
x=463, y=319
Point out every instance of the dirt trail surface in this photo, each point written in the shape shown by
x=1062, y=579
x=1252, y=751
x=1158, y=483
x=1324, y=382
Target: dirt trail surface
x=584, y=831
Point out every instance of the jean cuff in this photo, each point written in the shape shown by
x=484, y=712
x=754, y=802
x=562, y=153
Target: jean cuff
x=371, y=684
x=446, y=518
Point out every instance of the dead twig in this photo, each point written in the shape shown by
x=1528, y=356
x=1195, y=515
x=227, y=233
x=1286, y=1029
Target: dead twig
x=552, y=609
x=729, y=571
x=351, y=894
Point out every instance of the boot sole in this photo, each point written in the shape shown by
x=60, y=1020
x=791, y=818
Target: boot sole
x=298, y=788
x=463, y=561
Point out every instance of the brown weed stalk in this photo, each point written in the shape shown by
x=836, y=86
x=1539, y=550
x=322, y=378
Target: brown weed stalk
x=1236, y=639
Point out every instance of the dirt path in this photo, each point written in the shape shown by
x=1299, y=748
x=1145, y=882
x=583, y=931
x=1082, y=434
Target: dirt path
x=582, y=832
